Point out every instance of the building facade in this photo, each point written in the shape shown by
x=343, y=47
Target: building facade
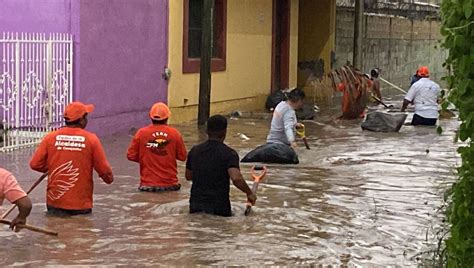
x=122, y=49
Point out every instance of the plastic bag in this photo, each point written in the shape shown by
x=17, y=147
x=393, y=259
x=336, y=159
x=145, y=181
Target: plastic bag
x=272, y=153
x=383, y=122
x=274, y=99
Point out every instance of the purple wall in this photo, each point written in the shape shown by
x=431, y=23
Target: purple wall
x=44, y=16
x=120, y=52
x=37, y=15
x=123, y=53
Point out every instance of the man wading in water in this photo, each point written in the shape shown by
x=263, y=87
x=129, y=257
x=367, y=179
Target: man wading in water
x=157, y=147
x=69, y=155
x=424, y=94
x=284, y=122
x=210, y=165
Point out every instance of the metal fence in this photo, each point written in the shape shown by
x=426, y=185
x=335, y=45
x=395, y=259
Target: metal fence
x=35, y=86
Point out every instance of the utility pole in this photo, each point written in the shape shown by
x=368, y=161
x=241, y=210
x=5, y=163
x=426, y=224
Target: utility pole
x=206, y=56
x=358, y=17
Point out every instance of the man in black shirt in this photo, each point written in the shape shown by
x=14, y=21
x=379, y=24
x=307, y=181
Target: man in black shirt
x=210, y=165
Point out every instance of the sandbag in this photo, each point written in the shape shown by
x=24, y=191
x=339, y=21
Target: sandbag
x=274, y=99
x=272, y=153
x=383, y=122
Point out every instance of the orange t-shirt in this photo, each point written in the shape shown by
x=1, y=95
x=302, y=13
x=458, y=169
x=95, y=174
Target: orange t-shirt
x=9, y=187
x=69, y=155
x=156, y=148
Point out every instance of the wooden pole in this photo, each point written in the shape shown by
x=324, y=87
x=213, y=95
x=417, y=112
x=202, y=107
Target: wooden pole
x=31, y=228
x=358, y=25
x=206, y=56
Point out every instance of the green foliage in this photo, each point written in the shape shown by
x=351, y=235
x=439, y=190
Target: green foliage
x=458, y=30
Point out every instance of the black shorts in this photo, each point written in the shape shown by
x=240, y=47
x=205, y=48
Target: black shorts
x=419, y=120
x=223, y=210
x=67, y=212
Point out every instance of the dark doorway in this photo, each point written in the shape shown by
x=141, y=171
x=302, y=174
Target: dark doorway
x=281, y=44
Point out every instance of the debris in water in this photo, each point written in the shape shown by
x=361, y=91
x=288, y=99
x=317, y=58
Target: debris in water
x=236, y=114
x=243, y=136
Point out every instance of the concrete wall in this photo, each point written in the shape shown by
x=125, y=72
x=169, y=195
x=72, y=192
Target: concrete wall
x=398, y=46
x=123, y=53
x=247, y=78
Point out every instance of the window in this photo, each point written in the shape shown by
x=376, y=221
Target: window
x=192, y=31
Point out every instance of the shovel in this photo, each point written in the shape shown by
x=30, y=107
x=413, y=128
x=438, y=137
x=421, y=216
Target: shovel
x=258, y=173
x=301, y=132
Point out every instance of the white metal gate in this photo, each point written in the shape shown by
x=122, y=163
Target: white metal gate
x=35, y=86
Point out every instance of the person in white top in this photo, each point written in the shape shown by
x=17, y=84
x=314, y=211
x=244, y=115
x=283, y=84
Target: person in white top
x=424, y=95
x=284, y=121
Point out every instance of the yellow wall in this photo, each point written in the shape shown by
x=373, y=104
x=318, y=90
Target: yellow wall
x=247, y=78
x=317, y=25
x=248, y=72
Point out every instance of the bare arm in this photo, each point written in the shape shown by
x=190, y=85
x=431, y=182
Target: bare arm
x=405, y=104
x=241, y=184
x=24, y=209
x=189, y=175
x=409, y=98
x=377, y=89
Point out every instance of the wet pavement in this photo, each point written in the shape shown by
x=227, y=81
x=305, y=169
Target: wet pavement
x=357, y=198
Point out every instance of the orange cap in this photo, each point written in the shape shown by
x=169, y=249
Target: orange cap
x=423, y=71
x=76, y=110
x=159, y=111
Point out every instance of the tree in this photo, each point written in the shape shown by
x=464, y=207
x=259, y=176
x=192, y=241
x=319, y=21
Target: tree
x=457, y=28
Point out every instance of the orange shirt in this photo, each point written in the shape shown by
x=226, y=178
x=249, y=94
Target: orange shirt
x=69, y=155
x=9, y=187
x=156, y=148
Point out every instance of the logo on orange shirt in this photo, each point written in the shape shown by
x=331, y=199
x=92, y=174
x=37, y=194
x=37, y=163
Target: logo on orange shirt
x=159, y=142
x=70, y=143
x=62, y=179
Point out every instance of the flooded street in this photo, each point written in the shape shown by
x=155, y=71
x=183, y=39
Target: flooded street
x=356, y=198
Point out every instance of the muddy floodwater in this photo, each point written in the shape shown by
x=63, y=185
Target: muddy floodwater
x=357, y=198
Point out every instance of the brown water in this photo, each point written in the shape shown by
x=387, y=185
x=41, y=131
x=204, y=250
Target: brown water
x=356, y=198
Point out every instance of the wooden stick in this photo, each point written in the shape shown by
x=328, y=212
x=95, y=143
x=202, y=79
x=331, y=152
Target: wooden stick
x=306, y=143
x=302, y=133
x=393, y=85
x=381, y=102
x=29, y=191
x=31, y=228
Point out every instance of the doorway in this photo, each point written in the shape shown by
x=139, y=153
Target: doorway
x=280, y=44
